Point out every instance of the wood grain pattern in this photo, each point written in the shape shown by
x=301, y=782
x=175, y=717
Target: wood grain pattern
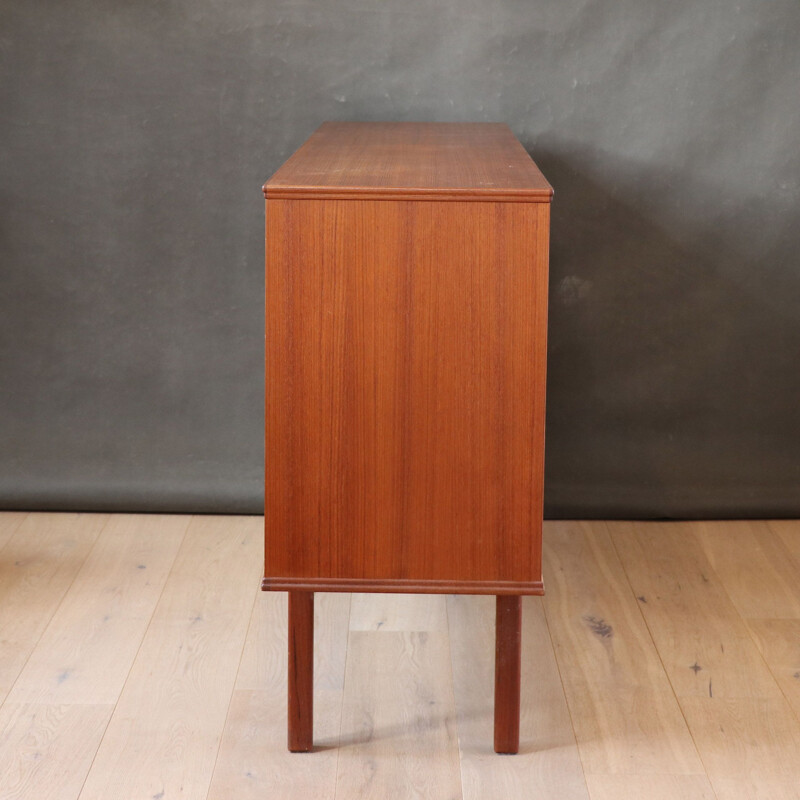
x=626, y=717
x=397, y=690
x=406, y=353
x=778, y=641
x=507, y=672
x=86, y=651
x=746, y=743
x=740, y=787
x=757, y=563
x=398, y=736
x=704, y=643
x=755, y=566
x=301, y=672
x=38, y=565
x=548, y=764
x=398, y=612
x=46, y=750
x=253, y=761
x=650, y=787
x=9, y=522
x=741, y=722
x=163, y=737
x=420, y=161
x=788, y=531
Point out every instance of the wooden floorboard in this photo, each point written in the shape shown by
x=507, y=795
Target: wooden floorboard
x=548, y=764
x=37, y=566
x=744, y=728
x=650, y=787
x=46, y=750
x=138, y=659
x=761, y=574
x=9, y=522
x=87, y=649
x=626, y=717
x=163, y=737
x=778, y=640
x=254, y=762
x=788, y=530
x=398, y=733
x=755, y=567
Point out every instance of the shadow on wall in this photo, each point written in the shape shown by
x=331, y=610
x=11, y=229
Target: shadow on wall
x=673, y=386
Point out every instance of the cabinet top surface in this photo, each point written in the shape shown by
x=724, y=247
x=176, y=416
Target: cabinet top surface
x=411, y=160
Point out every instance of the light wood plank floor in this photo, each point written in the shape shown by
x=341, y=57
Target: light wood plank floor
x=138, y=659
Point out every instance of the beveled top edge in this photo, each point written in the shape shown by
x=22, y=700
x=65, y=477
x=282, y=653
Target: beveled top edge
x=368, y=193
x=411, y=161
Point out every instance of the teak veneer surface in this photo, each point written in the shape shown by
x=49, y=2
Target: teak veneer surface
x=405, y=365
x=411, y=160
x=406, y=349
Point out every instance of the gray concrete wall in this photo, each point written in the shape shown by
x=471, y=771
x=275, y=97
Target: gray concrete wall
x=134, y=138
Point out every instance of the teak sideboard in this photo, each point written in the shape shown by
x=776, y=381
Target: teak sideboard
x=406, y=325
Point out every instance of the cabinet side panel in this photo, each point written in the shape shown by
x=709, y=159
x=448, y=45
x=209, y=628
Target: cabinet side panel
x=405, y=390
x=475, y=424
x=336, y=305
x=278, y=446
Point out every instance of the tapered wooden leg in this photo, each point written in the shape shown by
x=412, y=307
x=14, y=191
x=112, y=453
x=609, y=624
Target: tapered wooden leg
x=507, y=668
x=301, y=671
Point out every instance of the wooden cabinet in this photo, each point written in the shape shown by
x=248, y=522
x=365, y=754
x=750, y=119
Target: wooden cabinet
x=406, y=323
